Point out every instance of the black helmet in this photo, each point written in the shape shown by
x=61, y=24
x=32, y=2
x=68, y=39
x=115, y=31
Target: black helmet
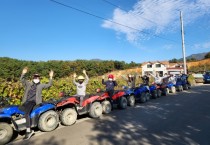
x=36, y=76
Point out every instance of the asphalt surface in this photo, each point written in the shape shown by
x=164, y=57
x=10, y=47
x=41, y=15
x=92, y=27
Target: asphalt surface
x=179, y=119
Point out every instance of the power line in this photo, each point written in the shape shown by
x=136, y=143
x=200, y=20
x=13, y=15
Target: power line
x=99, y=17
x=112, y=4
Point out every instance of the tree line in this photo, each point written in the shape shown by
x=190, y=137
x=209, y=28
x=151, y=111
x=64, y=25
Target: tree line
x=11, y=68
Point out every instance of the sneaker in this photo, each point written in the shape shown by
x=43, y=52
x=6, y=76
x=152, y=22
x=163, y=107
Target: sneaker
x=79, y=107
x=28, y=135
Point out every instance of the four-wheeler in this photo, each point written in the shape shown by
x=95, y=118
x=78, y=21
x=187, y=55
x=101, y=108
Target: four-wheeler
x=161, y=89
x=142, y=93
x=171, y=88
x=154, y=91
x=69, y=108
x=118, y=98
x=182, y=83
x=129, y=94
x=12, y=119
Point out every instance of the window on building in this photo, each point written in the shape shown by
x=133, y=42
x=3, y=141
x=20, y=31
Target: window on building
x=149, y=66
x=158, y=65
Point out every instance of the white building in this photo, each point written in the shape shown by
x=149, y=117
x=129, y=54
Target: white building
x=162, y=67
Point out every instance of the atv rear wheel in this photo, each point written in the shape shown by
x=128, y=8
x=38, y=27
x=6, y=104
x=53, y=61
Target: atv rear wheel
x=147, y=96
x=164, y=93
x=106, y=107
x=158, y=93
x=185, y=87
x=6, y=133
x=96, y=110
x=48, y=121
x=131, y=100
x=154, y=94
x=180, y=88
x=68, y=116
x=143, y=98
x=173, y=89
x=123, y=103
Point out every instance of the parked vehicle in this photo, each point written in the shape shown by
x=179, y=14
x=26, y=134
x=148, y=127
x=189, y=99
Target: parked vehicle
x=153, y=91
x=129, y=94
x=69, y=108
x=142, y=93
x=171, y=88
x=118, y=99
x=12, y=119
x=206, y=77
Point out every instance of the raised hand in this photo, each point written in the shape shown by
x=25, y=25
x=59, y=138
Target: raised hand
x=84, y=71
x=74, y=75
x=51, y=74
x=25, y=70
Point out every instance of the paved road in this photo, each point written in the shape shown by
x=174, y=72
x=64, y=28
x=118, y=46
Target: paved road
x=180, y=119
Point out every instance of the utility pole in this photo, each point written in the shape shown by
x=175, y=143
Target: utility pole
x=183, y=44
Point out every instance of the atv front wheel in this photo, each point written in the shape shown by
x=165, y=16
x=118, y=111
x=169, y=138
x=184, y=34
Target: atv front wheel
x=95, y=110
x=68, y=116
x=48, y=121
x=143, y=98
x=6, y=133
x=173, y=89
x=131, y=100
x=123, y=103
x=106, y=107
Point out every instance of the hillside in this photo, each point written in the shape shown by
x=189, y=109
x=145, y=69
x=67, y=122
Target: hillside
x=201, y=65
x=198, y=56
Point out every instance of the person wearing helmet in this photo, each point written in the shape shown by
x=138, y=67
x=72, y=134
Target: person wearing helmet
x=32, y=97
x=131, y=80
x=110, y=84
x=81, y=86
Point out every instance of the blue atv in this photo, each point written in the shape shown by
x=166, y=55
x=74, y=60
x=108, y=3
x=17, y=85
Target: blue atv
x=129, y=94
x=154, y=92
x=142, y=93
x=171, y=88
x=182, y=83
x=12, y=119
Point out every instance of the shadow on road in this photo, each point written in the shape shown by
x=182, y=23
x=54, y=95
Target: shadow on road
x=51, y=141
x=168, y=121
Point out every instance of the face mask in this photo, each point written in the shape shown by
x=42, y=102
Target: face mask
x=80, y=81
x=110, y=79
x=36, y=81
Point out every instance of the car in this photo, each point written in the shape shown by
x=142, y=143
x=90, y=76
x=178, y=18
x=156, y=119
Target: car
x=206, y=77
x=12, y=119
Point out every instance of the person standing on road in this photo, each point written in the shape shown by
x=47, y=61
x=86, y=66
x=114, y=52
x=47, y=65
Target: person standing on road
x=81, y=86
x=32, y=97
x=158, y=79
x=110, y=84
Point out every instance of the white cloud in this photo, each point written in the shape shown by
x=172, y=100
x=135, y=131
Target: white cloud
x=155, y=17
x=205, y=45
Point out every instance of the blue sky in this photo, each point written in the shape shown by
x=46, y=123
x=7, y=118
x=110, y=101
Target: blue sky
x=143, y=30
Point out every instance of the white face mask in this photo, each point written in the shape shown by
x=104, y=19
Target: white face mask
x=36, y=81
x=110, y=79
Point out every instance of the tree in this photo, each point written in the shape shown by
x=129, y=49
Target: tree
x=174, y=60
x=207, y=55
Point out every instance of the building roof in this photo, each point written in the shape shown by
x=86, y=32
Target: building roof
x=153, y=62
